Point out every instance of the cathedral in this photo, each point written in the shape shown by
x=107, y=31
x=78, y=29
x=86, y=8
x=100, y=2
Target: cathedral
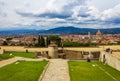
x=99, y=35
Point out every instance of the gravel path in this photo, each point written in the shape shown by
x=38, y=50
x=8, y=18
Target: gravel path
x=57, y=71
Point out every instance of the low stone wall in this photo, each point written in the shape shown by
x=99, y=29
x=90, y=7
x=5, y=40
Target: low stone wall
x=73, y=54
x=1, y=51
x=43, y=51
x=110, y=60
x=22, y=49
x=82, y=55
x=84, y=48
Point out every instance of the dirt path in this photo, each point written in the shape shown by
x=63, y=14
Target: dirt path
x=57, y=71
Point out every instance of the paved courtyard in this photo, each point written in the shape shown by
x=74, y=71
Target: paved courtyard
x=57, y=71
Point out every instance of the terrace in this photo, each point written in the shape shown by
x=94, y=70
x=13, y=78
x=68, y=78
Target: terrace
x=59, y=69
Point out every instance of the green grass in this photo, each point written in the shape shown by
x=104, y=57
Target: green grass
x=23, y=71
x=84, y=71
x=5, y=56
x=21, y=54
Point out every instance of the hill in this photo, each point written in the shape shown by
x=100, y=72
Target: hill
x=63, y=30
x=75, y=30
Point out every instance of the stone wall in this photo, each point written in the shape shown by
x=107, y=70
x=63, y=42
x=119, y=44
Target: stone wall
x=73, y=54
x=110, y=60
x=22, y=49
x=82, y=55
x=84, y=48
x=1, y=51
x=50, y=51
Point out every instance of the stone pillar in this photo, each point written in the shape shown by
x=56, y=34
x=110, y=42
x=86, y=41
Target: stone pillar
x=101, y=56
x=53, y=50
x=90, y=55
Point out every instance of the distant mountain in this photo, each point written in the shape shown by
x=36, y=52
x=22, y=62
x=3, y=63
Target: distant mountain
x=24, y=31
x=75, y=30
x=63, y=30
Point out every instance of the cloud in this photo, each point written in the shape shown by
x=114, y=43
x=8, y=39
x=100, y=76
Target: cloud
x=47, y=14
x=112, y=13
x=53, y=9
x=110, y=17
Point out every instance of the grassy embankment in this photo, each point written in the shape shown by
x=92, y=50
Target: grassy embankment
x=22, y=71
x=92, y=71
x=21, y=54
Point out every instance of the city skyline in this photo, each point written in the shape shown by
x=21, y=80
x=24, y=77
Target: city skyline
x=41, y=14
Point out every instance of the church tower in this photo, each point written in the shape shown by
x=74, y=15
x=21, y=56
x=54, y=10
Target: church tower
x=89, y=35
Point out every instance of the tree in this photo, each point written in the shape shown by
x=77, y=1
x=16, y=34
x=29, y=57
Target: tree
x=54, y=38
x=77, y=44
x=71, y=44
x=41, y=41
x=47, y=41
x=34, y=39
x=5, y=43
x=8, y=39
x=118, y=42
x=38, y=41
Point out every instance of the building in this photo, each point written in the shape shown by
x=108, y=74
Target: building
x=99, y=35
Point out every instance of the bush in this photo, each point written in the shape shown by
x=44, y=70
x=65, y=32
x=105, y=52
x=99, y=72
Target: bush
x=77, y=44
x=5, y=43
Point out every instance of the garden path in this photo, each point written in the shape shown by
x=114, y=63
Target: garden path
x=57, y=71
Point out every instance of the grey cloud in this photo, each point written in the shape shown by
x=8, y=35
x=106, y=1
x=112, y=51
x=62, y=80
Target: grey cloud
x=47, y=15
x=66, y=11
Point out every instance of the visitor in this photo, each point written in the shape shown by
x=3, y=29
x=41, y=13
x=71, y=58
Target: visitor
x=88, y=59
x=104, y=61
x=26, y=51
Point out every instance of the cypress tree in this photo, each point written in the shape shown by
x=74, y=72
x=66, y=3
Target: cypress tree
x=5, y=43
x=47, y=41
x=42, y=41
x=39, y=41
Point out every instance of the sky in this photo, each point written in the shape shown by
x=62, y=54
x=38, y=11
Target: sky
x=47, y=14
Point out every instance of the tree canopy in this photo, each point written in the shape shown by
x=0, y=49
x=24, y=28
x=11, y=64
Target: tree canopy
x=57, y=39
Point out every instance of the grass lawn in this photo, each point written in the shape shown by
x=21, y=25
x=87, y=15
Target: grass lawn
x=23, y=71
x=21, y=54
x=93, y=71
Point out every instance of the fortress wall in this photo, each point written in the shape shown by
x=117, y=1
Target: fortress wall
x=113, y=47
x=99, y=48
x=110, y=60
x=83, y=48
x=36, y=49
x=22, y=49
x=13, y=48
